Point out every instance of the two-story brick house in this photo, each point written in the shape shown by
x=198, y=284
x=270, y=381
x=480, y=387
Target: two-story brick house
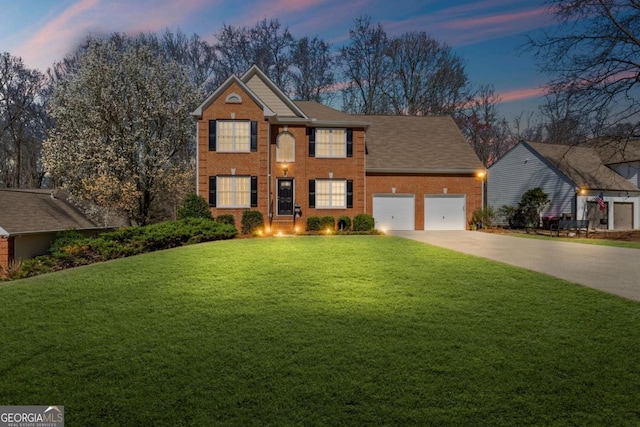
x=259, y=150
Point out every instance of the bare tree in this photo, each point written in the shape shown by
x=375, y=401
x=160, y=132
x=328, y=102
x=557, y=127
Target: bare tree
x=312, y=76
x=22, y=123
x=562, y=121
x=267, y=45
x=195, y=54
x=487, y=132
x=366, y=69
x=427, y=78
x=528, y=126
x=594, y=58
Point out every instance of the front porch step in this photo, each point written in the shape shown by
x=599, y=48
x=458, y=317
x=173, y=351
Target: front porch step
x=286, y=226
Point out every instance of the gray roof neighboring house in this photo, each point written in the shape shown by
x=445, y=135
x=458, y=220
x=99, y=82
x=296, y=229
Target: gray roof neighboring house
x=614, y=152
x=583, y=166
x=38, y=211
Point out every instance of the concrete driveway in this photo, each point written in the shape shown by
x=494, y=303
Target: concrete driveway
x=613, y=270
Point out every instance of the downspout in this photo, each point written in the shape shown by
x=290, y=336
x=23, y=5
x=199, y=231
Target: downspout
x=269, y=207
x=197, y=156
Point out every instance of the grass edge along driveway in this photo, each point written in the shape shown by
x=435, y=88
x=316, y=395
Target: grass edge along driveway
x=368, y=330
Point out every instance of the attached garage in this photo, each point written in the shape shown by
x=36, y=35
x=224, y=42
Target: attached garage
x=445, y=212
x=394, y=211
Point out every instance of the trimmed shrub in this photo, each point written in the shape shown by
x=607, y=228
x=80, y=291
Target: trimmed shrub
x=251, y=220
x=65, y=238
x=363, y=222
x=345, y=221
x=327, y=222
x=313, y=223
x=194, y=206
x=126, y=242
x=226, y=219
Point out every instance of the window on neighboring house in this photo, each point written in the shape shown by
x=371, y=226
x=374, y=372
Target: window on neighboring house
x=285, y=147
x=233, y=191
x=233, y=136
x=331, y=193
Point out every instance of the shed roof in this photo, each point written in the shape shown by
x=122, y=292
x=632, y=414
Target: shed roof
x=33, y=211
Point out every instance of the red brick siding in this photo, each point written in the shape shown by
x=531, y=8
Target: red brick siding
x=303, y=169
x=211, y=163
x=306, y=168
x=6, y=251
x=419, y=185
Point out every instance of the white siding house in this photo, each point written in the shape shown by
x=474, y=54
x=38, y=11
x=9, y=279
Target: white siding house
x=572, y=177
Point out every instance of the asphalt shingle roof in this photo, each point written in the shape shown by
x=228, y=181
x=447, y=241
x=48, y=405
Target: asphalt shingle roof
x=28, y=211
x=399, y=144
x=583, y=166
x=418, y=143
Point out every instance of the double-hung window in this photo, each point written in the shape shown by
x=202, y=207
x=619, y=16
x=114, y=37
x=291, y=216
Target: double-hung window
x=233, y=136
x=235, y=191
x=331, y=143
x=330, y=193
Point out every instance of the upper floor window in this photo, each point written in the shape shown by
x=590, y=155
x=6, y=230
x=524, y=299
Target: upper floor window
x=285, y=148
x=330, y=143
x=233, y=136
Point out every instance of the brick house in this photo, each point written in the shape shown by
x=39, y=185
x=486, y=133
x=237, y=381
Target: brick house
x=257, y=149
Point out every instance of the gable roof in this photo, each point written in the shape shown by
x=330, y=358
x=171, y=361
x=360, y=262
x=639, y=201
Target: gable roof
x=270, y=94
x=33, y=211
x=582, y=165
x=197, y=113
x=418, y=144
x=261, y=90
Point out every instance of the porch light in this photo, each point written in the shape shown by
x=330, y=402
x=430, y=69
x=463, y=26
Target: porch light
x=285, y=168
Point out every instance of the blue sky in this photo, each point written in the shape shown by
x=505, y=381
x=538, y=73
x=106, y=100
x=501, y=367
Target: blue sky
x=486, y=34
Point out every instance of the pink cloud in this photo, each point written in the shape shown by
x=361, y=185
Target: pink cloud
x=62, y=27
x=461, y=25
x=522, y=94
x=58, y=36
x=508, y=18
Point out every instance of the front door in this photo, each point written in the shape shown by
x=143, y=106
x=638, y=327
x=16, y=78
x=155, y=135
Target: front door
x=285, y=197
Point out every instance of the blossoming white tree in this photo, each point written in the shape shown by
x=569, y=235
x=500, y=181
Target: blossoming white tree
x=121, y=120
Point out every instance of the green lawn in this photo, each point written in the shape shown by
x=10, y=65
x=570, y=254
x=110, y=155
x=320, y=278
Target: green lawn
x=306, y=331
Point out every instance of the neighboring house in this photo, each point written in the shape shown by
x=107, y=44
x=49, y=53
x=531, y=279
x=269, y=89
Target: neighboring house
x=259, y=150
x=573, y=177
x=30, y=219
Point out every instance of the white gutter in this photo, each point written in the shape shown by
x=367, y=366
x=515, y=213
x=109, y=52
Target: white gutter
x=5, y=233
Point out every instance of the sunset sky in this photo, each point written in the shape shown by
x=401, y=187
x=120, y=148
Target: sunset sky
x=486, y=34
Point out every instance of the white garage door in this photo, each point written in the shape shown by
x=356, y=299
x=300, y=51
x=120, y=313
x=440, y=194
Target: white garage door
x=394, y=212
x=445, y=212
